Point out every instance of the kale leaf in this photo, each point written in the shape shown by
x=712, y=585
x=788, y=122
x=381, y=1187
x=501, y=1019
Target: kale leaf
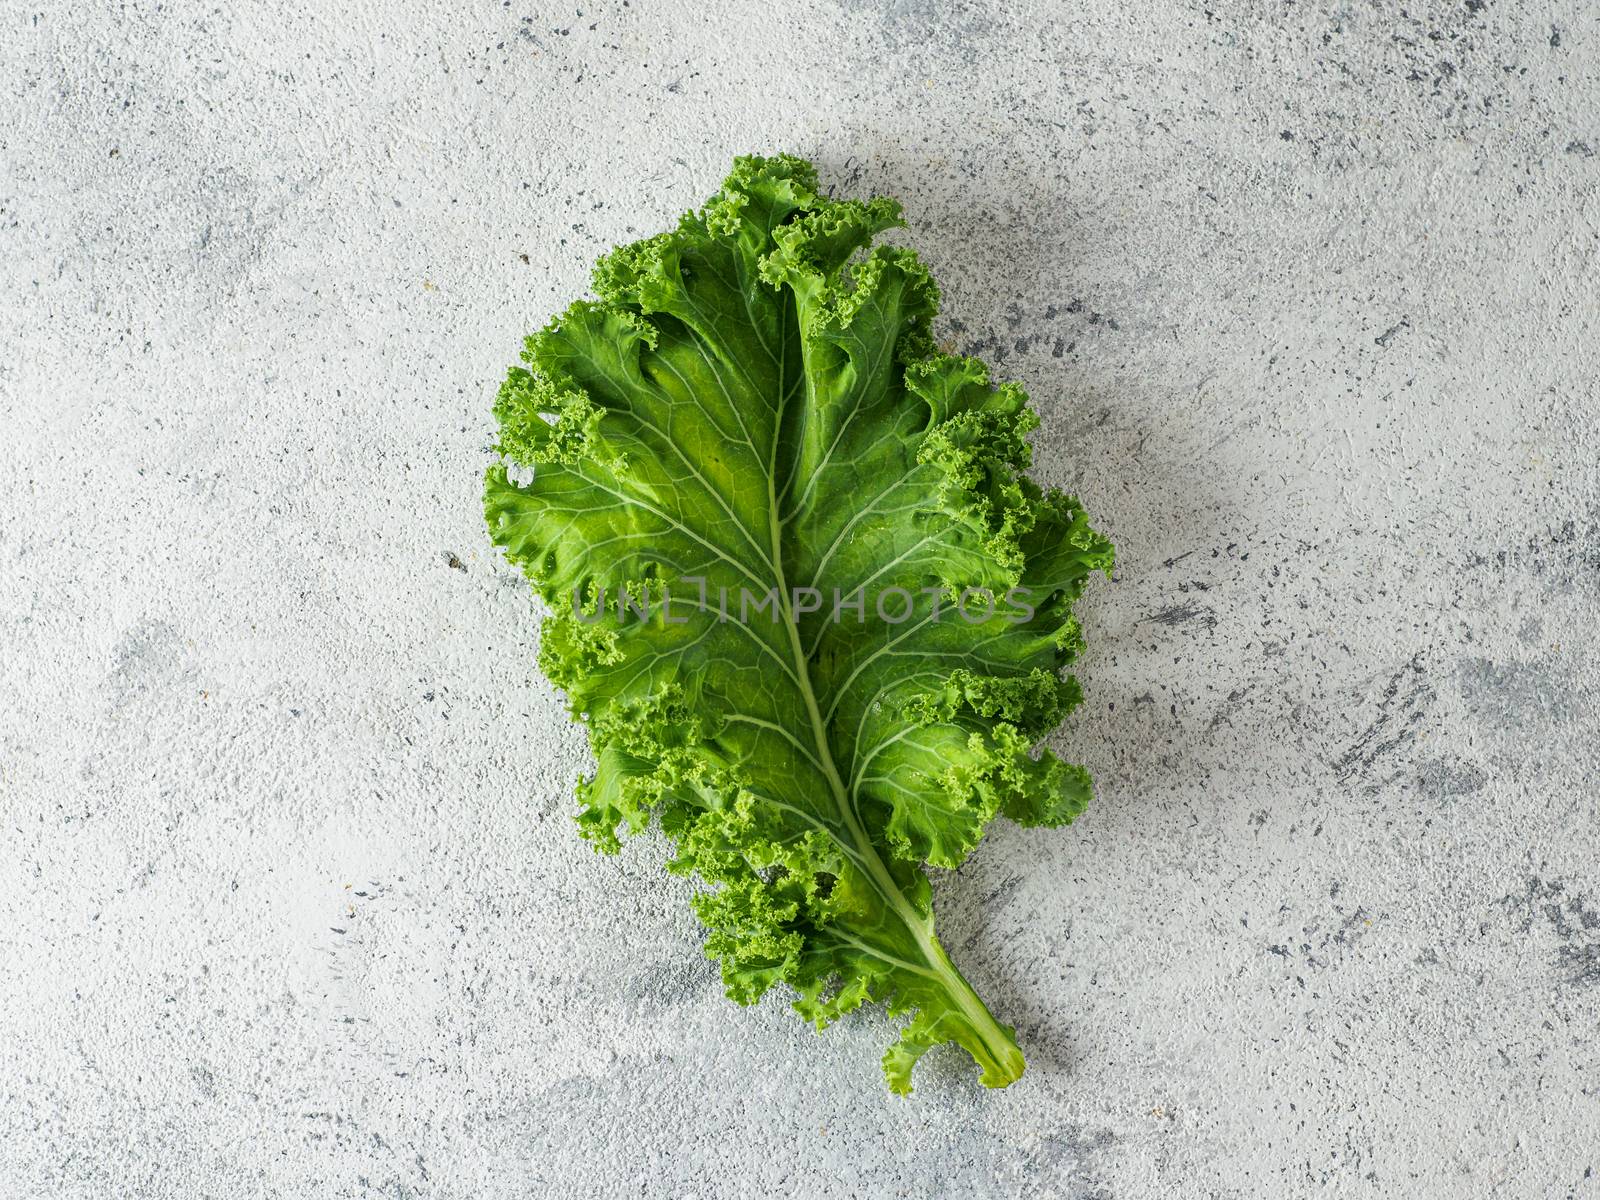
x=811, y=611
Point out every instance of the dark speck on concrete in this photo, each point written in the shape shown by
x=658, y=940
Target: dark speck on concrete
x=1446, y=779
x=1509, y=694
x=1405, y=698
x=1388, y=335
x=1180, y=614
x=1571, y=916
x=670, y=983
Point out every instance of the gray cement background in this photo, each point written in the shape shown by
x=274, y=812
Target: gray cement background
x=289, y=903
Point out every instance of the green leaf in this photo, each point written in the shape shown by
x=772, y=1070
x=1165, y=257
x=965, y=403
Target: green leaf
x=749, y=430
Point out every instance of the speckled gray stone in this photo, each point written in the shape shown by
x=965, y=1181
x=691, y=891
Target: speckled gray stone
x=1307, y=294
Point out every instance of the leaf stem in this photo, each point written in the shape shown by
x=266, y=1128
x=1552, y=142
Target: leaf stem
x=999, y=1057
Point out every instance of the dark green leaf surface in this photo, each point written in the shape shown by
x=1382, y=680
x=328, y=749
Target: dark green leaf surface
x=753, y=409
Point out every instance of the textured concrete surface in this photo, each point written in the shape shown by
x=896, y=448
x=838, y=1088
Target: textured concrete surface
x=289, y=904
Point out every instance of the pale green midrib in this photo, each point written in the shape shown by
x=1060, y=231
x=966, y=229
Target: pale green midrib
x=983, y=1023
x=1002, y=1050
